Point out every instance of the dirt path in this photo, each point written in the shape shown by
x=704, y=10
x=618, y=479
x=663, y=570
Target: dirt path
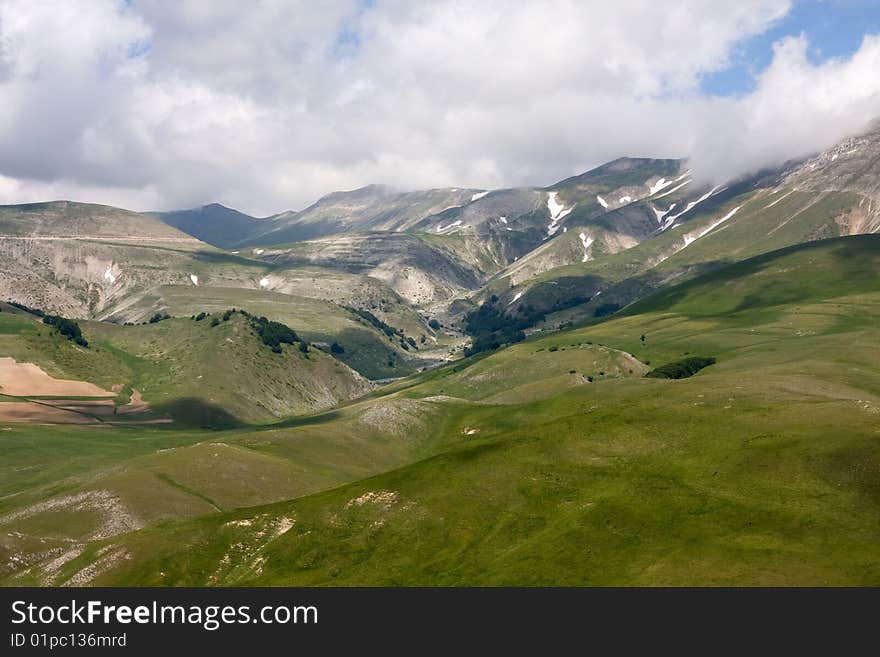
x=135, y=405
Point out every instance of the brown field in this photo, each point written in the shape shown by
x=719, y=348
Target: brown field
x=28, y=380
x=34, y=413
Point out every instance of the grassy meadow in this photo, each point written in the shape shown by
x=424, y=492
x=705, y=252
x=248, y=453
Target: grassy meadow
x=550, y=462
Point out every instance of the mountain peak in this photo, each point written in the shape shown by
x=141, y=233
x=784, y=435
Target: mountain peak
x=366, y=192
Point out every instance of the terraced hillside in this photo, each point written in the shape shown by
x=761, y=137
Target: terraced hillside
x=554, y=461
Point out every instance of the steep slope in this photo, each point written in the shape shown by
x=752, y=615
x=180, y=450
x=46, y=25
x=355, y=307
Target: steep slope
x=214, y=223
x=727, y=478
x=832, y=194
x=513, y=222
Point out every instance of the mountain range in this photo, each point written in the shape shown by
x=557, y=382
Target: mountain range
x=630, y=376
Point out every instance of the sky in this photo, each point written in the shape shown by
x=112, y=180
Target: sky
x=265, y=106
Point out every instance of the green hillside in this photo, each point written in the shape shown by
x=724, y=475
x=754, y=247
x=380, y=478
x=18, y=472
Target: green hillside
x=201, y=373
x=760, y=469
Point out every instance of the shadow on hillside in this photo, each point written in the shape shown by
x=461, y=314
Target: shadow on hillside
x=194, y=412
x=305, y=421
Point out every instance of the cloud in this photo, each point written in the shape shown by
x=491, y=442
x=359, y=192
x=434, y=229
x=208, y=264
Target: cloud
x=155, y=105
x=796, y=109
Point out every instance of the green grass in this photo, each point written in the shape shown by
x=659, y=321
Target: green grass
x=366, y=350
x=199, y=374
x=764, y=222
x=508, y=469
x=224, y=374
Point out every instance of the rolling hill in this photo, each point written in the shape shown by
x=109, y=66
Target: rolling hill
x=175, y=438
x=553, y=461
x=196, y=372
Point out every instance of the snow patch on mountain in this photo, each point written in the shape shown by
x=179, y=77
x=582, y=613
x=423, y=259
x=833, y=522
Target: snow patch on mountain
x=478, y=196
x=691, y=238
x=557, y=212
x=442, y=229
x=659, y=185
x=194, y=279
x=780, y=198
x=690, y=206
x=515, y=298
x=674, y=189
x=602, y=201
x=587, y=242
x=108, y=275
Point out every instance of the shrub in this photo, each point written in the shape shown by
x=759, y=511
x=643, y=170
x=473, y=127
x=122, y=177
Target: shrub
x=215, y=322
x=434, y=324
x=337, y=348
x=681, y=369
x=66, y=327
x=201, y=316
x=389, y=330
x=304, y=347
x=273, y=334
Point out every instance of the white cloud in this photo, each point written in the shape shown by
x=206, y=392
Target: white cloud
x=155, y=105
x=796, y=109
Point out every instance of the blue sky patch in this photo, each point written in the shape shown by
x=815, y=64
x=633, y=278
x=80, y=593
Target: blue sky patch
x=834, y=28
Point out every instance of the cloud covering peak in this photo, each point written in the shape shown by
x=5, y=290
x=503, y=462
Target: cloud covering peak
x=264, y=107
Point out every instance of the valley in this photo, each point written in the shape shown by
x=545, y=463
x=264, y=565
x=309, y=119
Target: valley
x=629, y=377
